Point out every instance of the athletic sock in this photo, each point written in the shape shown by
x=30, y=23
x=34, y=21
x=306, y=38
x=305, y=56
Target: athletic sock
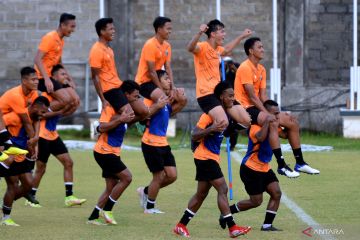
x=150, y=203
x=234, y=209
x=229, y=220
x=109, y=204
x=298, y=156
x=279, y=157
x=33, y=191
x=269, y=218
x=6, y=211
x=188, y=215
x=68, y=188
x=146, y=190
x=95, y=213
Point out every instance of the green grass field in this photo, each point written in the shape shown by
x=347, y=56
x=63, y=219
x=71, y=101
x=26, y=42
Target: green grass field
x=331, y=199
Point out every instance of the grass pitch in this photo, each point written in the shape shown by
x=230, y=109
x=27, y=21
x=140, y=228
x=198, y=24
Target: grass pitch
x=331, y=199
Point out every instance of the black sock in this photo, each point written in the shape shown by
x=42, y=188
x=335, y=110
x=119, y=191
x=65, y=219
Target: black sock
x=33, y=191
x=95, y=213
x=298, y=156
x=109, y=204
x=279, y=157
x=234, y=209
x=229, y=220
x=146, y=190
x=269, y=217
x=68, y=189
x=6, y=210
x=188, y=215
x=150, y=203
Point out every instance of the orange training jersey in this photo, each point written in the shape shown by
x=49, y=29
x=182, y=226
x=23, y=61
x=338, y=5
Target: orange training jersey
x=110, y=142
x=156, y=127
x=52, y=46
x=209, y=147
x=247, y=73
x=102, y=57
x=155, y=52
x=14, y=100
x=258, y=154
x=48, y=126
x=207, y=68
x=14, y=125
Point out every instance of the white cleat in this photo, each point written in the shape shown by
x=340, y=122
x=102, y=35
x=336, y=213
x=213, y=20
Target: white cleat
x=153, y=211
x=142, y=197
x=306, y=169
x=286, y=171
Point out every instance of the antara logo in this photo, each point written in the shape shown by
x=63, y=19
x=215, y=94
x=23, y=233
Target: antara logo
x=322, y=231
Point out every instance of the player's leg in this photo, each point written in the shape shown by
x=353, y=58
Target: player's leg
x=239, y=115
x=290, y=123
x=153, y=191
x=212, y=106
x=9, y=196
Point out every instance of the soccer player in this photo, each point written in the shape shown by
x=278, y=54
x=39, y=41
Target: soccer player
x=250, y=91
x=48, y=55
x=207, y=57
x=255, y=170
x=156, y=55
x=208, y=171
x=51, y=143
x=156, y=149
x=20, y=169
x=104, y=74
x=107, y=154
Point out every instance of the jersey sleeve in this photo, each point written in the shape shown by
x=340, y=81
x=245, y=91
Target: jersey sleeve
x=168, y=58
x=263, y=80
x=107, y=114
x=45, y=44
x=245, y=75
x=95, y=58
x=204, y=121
x=149, y=52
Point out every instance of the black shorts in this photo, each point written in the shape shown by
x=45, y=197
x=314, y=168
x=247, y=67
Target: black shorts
x=42, y=87
x=208, y=102
x=116, y=98
x=47, y=147
x=157, y=158
x=3, y=171
x=207, y=170
x=110, y=164
x=256, y=182
x=254, y=113
x=17, y=168
x=146, y=89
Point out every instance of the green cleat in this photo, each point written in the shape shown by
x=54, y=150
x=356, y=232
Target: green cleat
x=73, y=201
x=9, y=222
x=108, y=216
x=33, y=205
x=97, y=222
x=15, y=151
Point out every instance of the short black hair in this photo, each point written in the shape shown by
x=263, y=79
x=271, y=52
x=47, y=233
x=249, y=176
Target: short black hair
x=129, y=86
x=101, y=24
x=160, y=73
x=159, y=22
x=220, y=88
x=56, y=68
x=270, y=103
x=249, y=43
x=41, y=101
x=213, y=26
x=26, y=71
x=64, y=17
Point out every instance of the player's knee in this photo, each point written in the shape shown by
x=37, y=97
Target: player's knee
x=201, y=195
x=256, y=201
x=127, y=179
x=69, y=164
x=277, y=195
x=172, y=177
x=40, y=169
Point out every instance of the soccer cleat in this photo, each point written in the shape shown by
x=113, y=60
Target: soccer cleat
x=97, y=222
x=286, y=171
x=305, y=169
x=142, y=197
x=181, y=230
x=236, y=231
x=9, y=222
x=222, y=222
x=33, y=205
x=270, y=229
x=153, y=211
x=16, y=151
x=108, y=216
x=31, y=198
x=73, y=201
x=3, y=156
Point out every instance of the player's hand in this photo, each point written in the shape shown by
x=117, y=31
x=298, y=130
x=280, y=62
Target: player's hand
x=162, y=101
x=49, y=85
x=218, y=126
x=127, y=115
x=203, y=28
x=270, y=118
x=246, y=33
x=33, y=141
